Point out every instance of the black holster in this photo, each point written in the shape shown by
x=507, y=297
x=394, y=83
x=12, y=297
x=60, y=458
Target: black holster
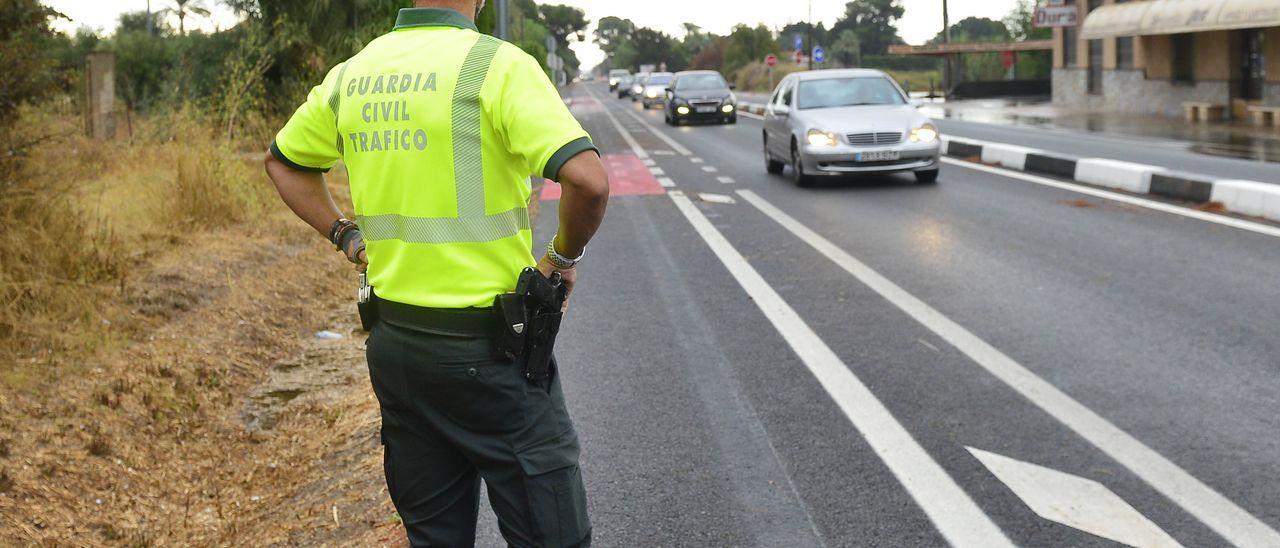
x=530, y=322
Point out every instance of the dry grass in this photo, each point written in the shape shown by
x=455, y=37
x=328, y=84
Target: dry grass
x=170, y=286
x=79, y=214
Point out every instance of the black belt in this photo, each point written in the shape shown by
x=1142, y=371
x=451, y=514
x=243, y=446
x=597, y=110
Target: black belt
x=457, y=322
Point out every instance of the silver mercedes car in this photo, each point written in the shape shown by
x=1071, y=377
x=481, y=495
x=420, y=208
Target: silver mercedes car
x=846, y=121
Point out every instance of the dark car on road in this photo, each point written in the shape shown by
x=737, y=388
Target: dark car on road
x=700, y=95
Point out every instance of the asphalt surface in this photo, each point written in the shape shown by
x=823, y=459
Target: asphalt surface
x=704, y=424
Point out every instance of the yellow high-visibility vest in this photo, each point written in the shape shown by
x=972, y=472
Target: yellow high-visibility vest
x=440, y=128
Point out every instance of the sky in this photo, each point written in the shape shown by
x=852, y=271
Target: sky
x=923, y=18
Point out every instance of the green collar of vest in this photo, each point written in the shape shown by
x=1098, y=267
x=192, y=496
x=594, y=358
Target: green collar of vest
x=432, y=17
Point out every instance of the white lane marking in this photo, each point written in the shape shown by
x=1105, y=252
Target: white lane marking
x=1218, y=512
x=695, y=160
x=717, y=198
x=626, y=135
x=724, y=179
x=955, y=515
x=657, y=171
x=1076, y=502
x=710, y=169
x=666, y=182
x=1124, y=198
x=661, y=135
x=649, y=162
x=663, y=153
x=750, y=115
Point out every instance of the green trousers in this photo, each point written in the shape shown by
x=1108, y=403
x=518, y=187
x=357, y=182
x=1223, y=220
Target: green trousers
x=451, y=416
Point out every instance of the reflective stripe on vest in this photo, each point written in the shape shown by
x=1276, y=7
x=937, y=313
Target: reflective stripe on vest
x=471, y=225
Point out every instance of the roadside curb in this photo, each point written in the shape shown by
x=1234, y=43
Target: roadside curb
x=1252, y=198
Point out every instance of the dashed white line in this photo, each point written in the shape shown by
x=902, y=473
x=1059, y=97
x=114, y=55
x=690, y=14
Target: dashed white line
x=1222, y=515
x=657, y=171
x=710, y=169
x=956, y=516
x=666, y=182
x=663, y=153
x=675, y=145
x=695, y=160
x=725, y=180
x=649, y=162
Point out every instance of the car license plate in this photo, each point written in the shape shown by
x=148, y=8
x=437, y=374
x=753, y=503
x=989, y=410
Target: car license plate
x=876, y=156
x=704, y=110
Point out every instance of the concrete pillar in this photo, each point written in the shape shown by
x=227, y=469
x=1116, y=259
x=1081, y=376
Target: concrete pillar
x=100, y=93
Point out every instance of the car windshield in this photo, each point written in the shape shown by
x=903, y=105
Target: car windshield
x=848, y=92
x=658, y=80
x=696, y=82
x=617, y=73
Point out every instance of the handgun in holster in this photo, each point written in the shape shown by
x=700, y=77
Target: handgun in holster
x=367, y=304
x=530, y=322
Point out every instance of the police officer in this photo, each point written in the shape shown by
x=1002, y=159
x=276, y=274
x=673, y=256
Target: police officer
x=440, y=127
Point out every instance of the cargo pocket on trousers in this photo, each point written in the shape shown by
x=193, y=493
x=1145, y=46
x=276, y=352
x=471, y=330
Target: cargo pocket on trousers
x=557, y=496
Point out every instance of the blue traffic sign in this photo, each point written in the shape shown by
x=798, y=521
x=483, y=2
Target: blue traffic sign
x=819, y=54
x=799, y=43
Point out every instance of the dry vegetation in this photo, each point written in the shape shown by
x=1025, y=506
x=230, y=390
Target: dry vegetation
x=150, y=286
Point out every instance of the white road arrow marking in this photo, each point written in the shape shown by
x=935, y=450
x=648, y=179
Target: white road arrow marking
x=1075, y=501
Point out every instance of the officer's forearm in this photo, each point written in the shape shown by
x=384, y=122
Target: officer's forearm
x=585, y=195
x=305, y=193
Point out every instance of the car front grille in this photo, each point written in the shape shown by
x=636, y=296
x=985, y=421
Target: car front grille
x=874, y=138
x=696, y=104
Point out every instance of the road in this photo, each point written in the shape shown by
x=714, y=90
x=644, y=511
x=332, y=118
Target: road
x=979, y=362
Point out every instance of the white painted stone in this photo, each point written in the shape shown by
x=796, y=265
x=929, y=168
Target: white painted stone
x=1074, y=501
x=1117, y=174
x=1248, y=197
x=1005, y=155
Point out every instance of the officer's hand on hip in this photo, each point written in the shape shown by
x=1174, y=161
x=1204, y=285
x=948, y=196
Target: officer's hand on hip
x=355, y=253
x=568, y=276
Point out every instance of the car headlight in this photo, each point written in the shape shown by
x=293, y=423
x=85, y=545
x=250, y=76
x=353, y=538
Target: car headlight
x=927, y=133
x=682, y=110
x=818, y=137
x=652, y=94
x=613, y=82
x=726, y=109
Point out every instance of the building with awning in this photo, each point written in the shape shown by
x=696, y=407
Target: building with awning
x=1162, y=56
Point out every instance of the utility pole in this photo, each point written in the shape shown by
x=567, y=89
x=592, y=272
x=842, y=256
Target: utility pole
x=946, y=57
x=150, y=30
x=811, y=44
x=500, y=7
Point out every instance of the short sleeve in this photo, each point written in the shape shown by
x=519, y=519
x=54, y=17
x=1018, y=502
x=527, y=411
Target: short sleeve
x=538, y=126
x=309, y=140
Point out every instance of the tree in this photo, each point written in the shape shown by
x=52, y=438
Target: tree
x=184, y=8
x=1020, y=23
x=563, y=22
x=748, y=44
x=873, y=20
x=611, y=32
x=847, y=49
x=786, y=36
x=24, y=35
x=976, y=29
x=656, y=48
x=710, y=57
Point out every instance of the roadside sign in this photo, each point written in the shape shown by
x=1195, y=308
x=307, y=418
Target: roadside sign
x=1007, y=59
x=771, y=60
x=799, y=57
x=799, y=42
x=1056, y=16
x=819, y=54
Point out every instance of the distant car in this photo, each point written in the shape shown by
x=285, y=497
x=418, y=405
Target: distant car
x=655, y=89
x=637, y=86
x=624, y=85
x=846, y=121
x=700, y=95
x=616, y=76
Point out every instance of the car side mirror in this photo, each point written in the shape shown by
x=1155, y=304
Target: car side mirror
x=917, y=103
x=781, y=109
x=733, y=86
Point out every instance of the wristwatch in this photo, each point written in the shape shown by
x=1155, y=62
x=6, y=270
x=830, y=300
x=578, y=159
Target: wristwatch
x=560, y=261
